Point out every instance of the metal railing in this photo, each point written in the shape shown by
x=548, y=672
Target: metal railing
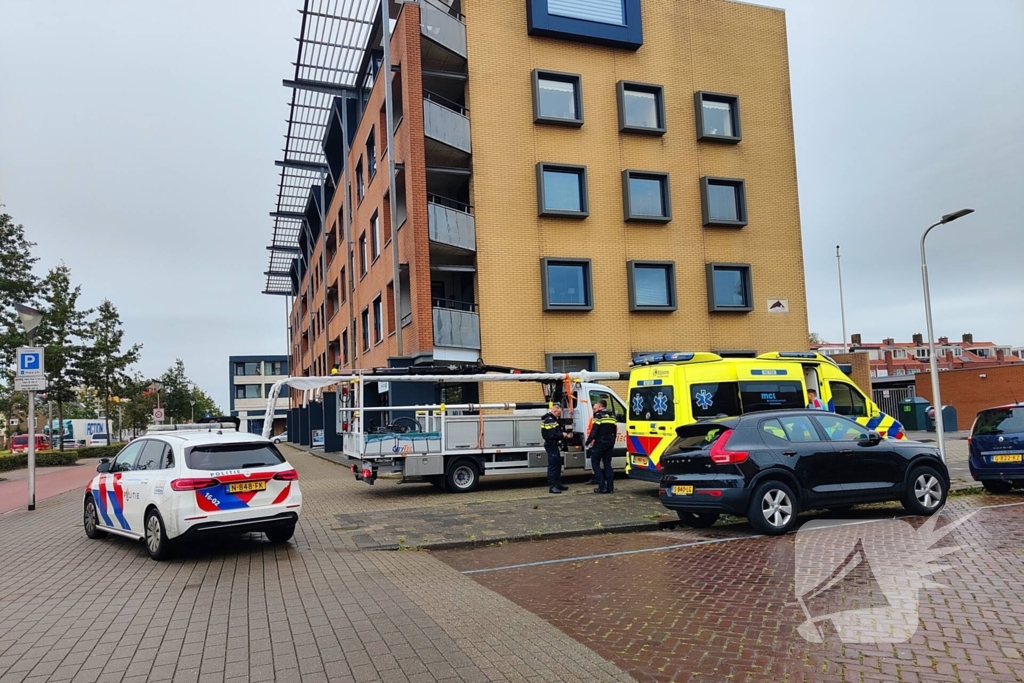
x=454, y=305
x=889, y=399
x=449, y=203
x=445, y=102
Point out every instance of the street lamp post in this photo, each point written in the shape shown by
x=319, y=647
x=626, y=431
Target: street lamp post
x=842, y=305
x=30, y=320
x=192, y=403
x=932, y=364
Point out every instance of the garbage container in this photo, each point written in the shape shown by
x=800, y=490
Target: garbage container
x=949, y=420
x=913, y=414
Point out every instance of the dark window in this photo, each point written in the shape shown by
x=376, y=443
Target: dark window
x=276, y=367
x=847, y=401
x=569, y=363
x=841, y=429
x=758, y=396
x=723, y=201
x=125, y=460
x=616, y=408
x=167, y=458
x=641, y=108
x=366, y=329
x=344, y=347
x=652, y=404
x=247, y=391
x=266, y=389
x=371, y=155
x=566, y=285
x=360, y=187
x=999, y=421
x=378, y=320
x=714, y=399
x=796, y=429
x=247, y=369
x=362, y=255
x=729, y=287
x=646, y=196
x=562, y=190
x=652, y=286
x=375, y=237
x=150, y=458
x=557, y=98
x=718, y=116
x=233, y=456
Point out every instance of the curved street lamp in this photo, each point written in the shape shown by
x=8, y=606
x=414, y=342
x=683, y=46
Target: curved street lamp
x=936, y=399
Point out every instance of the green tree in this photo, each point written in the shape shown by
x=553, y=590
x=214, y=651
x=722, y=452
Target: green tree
x=64, y=333
x=105, y=364
x=815, y=338
x=135, y=403
x=18, y=285
x=177, y=391
x=204, y=403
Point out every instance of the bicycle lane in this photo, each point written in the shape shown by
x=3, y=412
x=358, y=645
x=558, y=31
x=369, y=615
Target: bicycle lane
x=50, y=482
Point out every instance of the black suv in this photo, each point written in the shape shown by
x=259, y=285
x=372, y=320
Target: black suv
x=769, y=466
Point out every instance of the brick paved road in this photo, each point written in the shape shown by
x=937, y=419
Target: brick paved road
x=77, y=610
x=726, y=611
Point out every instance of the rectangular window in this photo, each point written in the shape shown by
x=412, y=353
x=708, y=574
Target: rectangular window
x=711, y=400
x=371, y=155
x=247, y=391
x=646, y=196
x=718, y=116
x=899, y=353
x=344, y=347
x=723, y=201
x=360, y=187
x=276, y=367
x=652, y=404
x=847, y=401
x=758, y=396
x=652, y=285
x=572, y=363
x=641, y=108
x=375, y=236
x=603, y=11
x=729, y=287
x=378, y=320
x=567, y=285
x=557, y=98
x=366, y=329
x=362, y=255
x=562, y=190
x=248, y=369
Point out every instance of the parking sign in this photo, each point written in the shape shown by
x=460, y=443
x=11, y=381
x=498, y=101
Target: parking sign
x=30, y=362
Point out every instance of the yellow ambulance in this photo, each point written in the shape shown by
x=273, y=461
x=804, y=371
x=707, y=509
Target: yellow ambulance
x=667, y=390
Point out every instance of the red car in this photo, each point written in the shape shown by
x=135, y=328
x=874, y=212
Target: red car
x=19, y=443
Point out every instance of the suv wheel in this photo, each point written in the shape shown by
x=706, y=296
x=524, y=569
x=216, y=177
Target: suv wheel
x=697, y=520
x=997, y=486
x=463, y=476
x=91, y=520
x=926, y=492
x=157, y=544
x=773, y=508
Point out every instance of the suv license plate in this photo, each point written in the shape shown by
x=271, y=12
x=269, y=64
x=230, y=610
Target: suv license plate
x=247, y=486
x=682, y=490
x=1013, y=457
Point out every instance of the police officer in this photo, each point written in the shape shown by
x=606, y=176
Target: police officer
x=600, y=442
x=551, y=430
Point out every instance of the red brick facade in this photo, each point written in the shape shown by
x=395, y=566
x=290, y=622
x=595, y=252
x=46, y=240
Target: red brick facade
x=974, y=389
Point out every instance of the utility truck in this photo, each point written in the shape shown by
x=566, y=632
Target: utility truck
x=453, y=445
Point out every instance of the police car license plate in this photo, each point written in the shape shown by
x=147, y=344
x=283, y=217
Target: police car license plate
x=1011, y=457
x=247, y=487
x=639, y=461
x=682, y=490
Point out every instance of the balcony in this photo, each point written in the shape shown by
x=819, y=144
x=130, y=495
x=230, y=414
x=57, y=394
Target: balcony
x=441, y=25
x=456, y=330
x=452, y=227
x=446, y=127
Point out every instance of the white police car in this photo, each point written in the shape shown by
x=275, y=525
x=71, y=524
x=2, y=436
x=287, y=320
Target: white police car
x=168, y=487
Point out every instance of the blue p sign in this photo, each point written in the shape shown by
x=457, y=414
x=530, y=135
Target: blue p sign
x=29, y=361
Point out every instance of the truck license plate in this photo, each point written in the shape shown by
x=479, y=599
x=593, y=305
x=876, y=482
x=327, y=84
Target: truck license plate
x=247, y=486
x=1012, y=457
x=682, y=490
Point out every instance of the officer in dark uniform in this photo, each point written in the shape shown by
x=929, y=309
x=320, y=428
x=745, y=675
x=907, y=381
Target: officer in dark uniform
x=600, y=443
x=551, y=430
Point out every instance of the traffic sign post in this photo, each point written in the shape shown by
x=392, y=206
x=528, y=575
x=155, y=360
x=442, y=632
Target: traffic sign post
x=158, y=414
x=31, y=377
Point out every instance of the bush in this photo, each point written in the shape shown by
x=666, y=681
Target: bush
x=100, y=451
x=16, y=461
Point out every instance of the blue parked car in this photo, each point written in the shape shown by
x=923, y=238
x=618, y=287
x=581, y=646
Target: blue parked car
x=996, y=448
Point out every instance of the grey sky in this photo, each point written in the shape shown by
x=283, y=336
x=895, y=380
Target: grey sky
x=137, y=143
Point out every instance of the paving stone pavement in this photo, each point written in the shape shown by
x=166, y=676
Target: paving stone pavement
x=241, y=609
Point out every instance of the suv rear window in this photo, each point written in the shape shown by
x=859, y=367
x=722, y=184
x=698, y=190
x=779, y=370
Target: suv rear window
x=235, y=456
x=999, y=421
x=693, y=437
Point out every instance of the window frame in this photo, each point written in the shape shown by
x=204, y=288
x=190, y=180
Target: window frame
x=741, y=201
x=628, y=35
x=733, y=101
x=564, y=77
x=588, y=283
x=581, y=171
x=659, y=97
x=627, y=197
x=344, y=348
x=360, y=182
x=550, y=358
x=371, y=155
x=670, y=267
x=378, y=319
x=375, y=237
x=364, y=318
x=713, y=307
x=364, y=265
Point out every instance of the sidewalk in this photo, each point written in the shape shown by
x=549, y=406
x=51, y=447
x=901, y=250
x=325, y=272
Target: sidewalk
x=50, y=481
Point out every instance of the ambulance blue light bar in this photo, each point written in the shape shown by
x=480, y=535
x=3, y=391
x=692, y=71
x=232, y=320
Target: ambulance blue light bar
x=670, y=357
x=798, y=354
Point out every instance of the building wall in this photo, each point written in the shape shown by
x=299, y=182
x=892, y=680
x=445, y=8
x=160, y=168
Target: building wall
x=248, y=409
x=689, y=45
x=969, y=392
x=861, y=374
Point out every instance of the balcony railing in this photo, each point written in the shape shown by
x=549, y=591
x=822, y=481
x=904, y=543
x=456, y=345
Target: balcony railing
x=451, y=223
x=444, y=27
x=456, y=327
x=446, y=125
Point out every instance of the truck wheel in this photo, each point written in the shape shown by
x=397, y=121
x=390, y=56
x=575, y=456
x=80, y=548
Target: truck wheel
x=463, y=476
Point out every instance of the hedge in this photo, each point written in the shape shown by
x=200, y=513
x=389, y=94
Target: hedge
x=100, y=451
x=16, y=461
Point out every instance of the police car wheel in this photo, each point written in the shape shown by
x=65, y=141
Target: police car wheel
x=157, y=544
x=280, y=534
x=91, y=520
x=463, y=476
x=697, y=520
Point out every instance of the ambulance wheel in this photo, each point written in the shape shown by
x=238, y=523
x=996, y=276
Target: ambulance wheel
x=463, y=476
x=91, y=520
x=157, y=544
